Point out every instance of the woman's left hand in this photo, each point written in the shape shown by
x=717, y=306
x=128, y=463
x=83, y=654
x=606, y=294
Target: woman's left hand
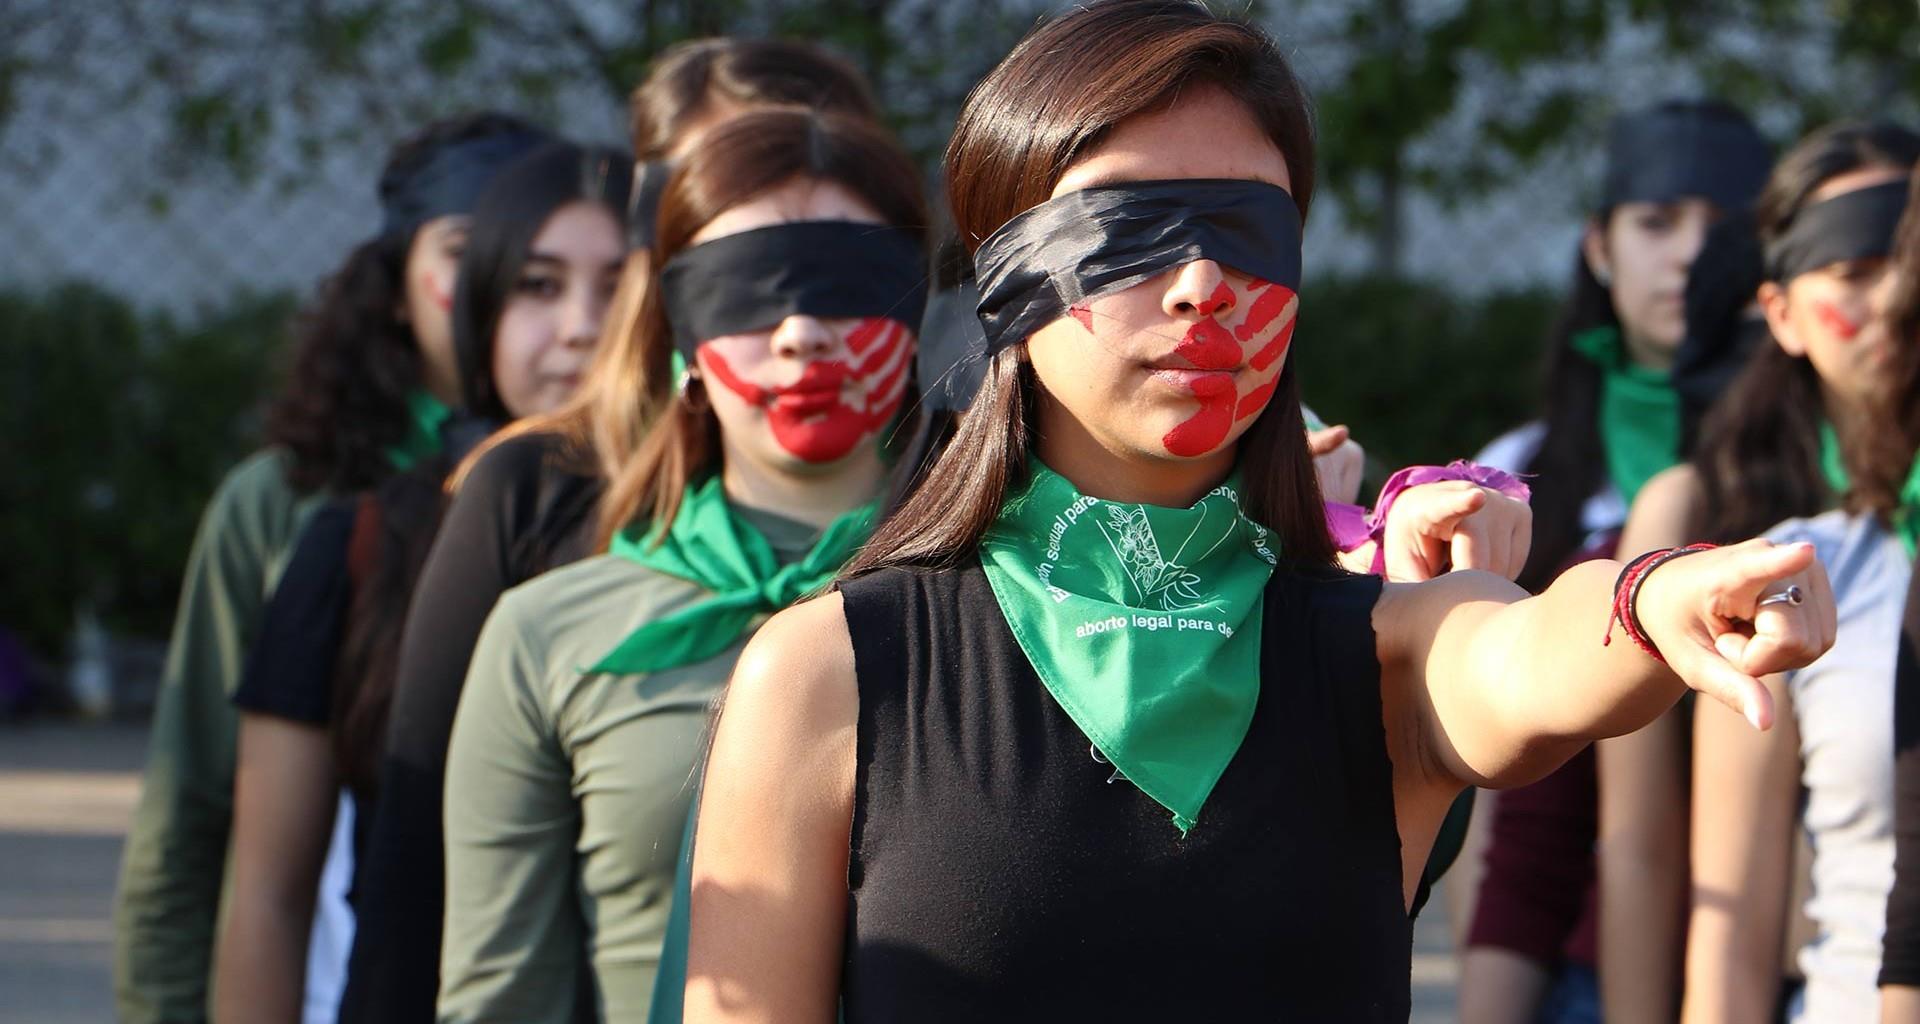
x=1704, y=613
x=1455, y=524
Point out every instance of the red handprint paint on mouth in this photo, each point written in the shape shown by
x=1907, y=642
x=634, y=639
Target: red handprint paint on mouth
x=1833, y=320
x=1217, y=358
x=833, y=406
x=1210, y=345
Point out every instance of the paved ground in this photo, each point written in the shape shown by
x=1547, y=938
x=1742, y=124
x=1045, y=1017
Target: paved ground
x=66, y=794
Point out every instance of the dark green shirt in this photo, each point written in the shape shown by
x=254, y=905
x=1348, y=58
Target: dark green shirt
x=172, y=876
x=567, y=792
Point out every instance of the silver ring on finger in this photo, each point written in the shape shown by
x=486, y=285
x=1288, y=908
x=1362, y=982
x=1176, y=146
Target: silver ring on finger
x=1792, y=597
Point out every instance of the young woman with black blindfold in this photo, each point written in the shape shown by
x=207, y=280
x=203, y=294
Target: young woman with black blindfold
x=1788, y=441
x=526, y=502
x=372, y=364
x=1611, y=419
x=791, y=256
x=541, y=259
x=1092, y=729
x=1888, y=473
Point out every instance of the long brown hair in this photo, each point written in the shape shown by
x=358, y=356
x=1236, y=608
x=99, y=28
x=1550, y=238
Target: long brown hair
x=601, y=426
x=1883, y=456
x=1759, y=454
x=737, y=161
x=1056, y=96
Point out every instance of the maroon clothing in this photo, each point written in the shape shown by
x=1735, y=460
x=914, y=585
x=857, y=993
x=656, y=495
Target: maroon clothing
x=1538, y=896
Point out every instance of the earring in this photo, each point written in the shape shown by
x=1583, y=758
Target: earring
x=1604, y=276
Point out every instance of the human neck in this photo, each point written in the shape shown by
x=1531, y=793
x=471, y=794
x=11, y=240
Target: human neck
x=1099, y=472
x=1646, y=353
x=815, y=499
x=443, y=382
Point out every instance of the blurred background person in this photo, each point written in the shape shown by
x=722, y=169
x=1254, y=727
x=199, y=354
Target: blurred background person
x=372, y=374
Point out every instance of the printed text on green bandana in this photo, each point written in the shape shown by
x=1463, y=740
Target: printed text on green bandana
x=1142, y=621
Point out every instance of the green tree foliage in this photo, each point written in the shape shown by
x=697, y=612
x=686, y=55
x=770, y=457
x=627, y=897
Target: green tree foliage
x=118, y=425
x=1423, y=375
x=1533, y=77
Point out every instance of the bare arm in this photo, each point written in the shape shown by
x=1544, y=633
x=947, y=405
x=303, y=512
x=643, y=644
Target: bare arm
x=1500, y=986
x=770, y=866
x=1899, y=1004
x=1742, y=860
x=285, y=793
x=1643, y=808
x=1498, y=689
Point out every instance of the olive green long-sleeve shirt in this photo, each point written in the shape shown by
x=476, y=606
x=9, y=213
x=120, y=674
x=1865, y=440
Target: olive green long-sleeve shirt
x=172, y=875
x=568, y=792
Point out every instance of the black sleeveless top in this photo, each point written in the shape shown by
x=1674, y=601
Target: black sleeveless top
x=995, y=874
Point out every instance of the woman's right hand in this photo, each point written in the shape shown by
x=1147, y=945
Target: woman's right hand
x=1703, y=612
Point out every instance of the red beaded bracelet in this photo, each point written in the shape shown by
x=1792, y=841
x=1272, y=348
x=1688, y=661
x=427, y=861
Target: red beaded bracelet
x=1626, y=595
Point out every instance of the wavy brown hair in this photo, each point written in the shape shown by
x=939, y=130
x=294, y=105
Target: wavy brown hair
x=601, y=427
x=354, y=362
x=1055, y=97
x=1882, y=455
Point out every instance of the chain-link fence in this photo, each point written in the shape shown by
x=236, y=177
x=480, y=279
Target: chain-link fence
x=185, y=157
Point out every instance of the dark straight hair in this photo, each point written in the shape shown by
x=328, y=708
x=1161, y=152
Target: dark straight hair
x=506, y=220
x=1759, y=453
x=1055, y=97
x=354, y=361
x=397, y=522
x=1570, y=464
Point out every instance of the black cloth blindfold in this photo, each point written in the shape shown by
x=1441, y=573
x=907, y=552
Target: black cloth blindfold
x=643, y=209
x=1668, y=153
x=450, y=182
x=1858, y=225
x=1106, y=239
x=949, y=364
x=826, y=268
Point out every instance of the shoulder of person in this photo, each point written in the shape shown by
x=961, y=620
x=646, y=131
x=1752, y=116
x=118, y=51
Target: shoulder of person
x=574, y=614
x=257, y=493
x=1851, y=548
x=797, y=673
x=518, y=463
x=1678, y=483
x=1513, y=450
x=1673, y=497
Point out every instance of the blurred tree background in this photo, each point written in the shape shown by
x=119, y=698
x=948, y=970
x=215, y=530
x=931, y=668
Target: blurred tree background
x=121, y=413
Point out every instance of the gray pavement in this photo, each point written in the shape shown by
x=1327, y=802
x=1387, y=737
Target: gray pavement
x=67, y=792
x=66, y=795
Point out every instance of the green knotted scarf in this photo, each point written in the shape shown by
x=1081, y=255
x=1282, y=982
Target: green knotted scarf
x=710, y=546
x=425, y=416
x=1142, y=621
x=1639, y=412
x=1906, y=518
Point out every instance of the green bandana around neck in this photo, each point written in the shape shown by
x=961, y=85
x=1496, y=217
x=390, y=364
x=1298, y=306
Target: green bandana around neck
x=1142, y=621
x=707, y=544
x=425, y=416
x=1906, y=518
x=1639, y=412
